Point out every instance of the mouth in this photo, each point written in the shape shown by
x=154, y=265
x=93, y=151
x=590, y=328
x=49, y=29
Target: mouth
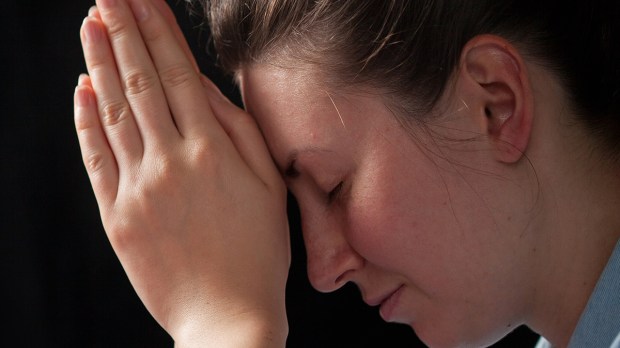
x=384, y=299
x=389, y=304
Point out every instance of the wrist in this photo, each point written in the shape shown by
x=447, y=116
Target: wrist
x=243, y=330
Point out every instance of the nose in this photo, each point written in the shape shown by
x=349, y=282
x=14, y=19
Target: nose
x=332, y=261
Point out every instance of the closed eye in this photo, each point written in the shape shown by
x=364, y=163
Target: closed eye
x=333, y=194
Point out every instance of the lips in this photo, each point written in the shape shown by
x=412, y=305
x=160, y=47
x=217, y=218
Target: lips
x=389, y=304
x=379, y=300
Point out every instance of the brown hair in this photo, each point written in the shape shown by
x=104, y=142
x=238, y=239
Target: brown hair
x=409, y=49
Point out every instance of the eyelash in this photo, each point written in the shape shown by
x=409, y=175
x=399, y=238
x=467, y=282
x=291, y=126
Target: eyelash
x=333, y=194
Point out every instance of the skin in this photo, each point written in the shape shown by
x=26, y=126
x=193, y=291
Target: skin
x=485, y=225
x=161, y=179
x=404, y=218
x=455, y=221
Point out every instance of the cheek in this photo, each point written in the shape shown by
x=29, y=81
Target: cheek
x=399, y=215
x=429, y=227
x=403, y=222
x=409, y=217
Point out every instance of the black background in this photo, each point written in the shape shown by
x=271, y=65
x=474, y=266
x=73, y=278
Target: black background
x=62, y=285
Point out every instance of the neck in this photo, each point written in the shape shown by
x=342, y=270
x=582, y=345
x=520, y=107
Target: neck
x=579, y=227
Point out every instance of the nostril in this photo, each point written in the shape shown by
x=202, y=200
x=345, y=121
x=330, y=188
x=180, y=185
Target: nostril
x=342, y=279
x=328, y=277
x=331, y=261
x=325, y=280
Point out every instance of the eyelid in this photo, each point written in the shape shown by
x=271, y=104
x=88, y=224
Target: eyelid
x=291, y=171
x=334, y=193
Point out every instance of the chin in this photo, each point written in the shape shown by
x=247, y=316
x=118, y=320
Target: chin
x=441, y=336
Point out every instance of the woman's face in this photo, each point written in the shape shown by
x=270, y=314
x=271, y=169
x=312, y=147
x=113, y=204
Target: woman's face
x=420, y=224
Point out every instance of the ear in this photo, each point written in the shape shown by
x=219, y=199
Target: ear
x=493, y=78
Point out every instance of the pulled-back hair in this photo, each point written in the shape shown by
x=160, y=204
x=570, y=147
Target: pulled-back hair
x=409, y=49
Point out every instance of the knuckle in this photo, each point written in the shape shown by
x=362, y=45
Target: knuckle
x=154, y=33
x=116, y=26
x=138, y=82
x=126, y=223
x=121, y=234
x=114, y=113
x=176, y=75
x=83, y=123
x=97, y=63
x=162, y=176
x=95, y=162
x=204, y=152
x=166, y=171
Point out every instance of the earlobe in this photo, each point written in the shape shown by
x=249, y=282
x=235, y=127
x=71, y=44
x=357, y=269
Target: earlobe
x=498, y=89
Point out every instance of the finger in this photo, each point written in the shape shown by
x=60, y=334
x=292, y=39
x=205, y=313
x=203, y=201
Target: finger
x=93, y=12
x=138, y=76
x=179, y=79
x=243, y=132
x=115, y=113
x=171, y=19
x=96, y=153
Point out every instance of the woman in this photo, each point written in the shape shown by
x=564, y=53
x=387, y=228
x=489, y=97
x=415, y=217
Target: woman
x=456, y=161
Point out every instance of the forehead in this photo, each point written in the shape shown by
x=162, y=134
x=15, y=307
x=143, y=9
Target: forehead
x=292, y=108
x=280, y=86
x=296, y=110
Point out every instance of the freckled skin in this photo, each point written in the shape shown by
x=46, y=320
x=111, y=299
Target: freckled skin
x=404, y=217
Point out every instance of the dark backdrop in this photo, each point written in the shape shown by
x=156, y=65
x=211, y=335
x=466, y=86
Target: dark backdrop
x=62, y=285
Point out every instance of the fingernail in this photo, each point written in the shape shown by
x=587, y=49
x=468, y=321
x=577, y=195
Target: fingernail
x=91, y=30
x=140, y=10
x=92, y=10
